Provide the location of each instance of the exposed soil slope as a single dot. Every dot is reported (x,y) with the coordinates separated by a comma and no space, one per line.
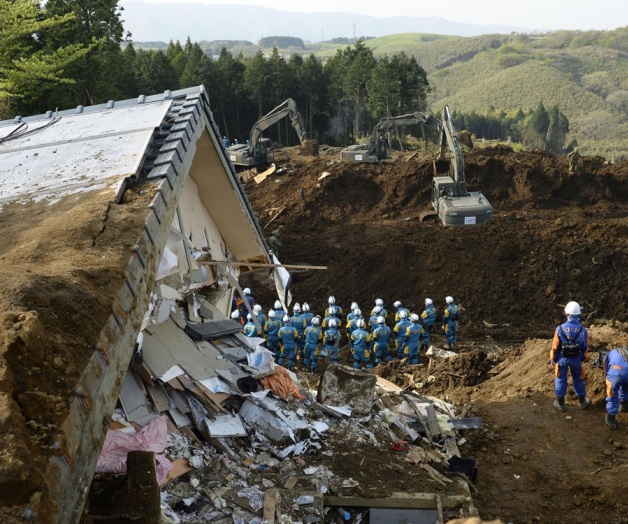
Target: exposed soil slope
(554,238)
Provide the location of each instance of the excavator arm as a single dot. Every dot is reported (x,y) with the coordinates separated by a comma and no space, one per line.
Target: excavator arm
(286,109)
(449,138)
(259,150)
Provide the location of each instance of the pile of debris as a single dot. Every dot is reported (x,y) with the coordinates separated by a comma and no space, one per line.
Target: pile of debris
(241,439)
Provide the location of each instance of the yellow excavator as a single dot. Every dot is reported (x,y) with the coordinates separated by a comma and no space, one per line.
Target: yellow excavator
(453,203)
(258,151)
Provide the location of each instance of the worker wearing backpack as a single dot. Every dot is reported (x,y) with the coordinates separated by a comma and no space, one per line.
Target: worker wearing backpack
(570,348)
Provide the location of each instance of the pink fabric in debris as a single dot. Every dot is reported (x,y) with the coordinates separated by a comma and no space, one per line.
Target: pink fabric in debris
(152,437)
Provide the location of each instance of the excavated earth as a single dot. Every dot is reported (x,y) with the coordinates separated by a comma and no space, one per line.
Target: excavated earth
(555,237)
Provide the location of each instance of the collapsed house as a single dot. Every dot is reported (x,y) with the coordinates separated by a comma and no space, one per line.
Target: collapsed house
(159,268)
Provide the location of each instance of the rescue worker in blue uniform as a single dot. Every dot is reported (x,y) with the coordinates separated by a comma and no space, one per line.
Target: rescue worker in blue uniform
(400,332)
(616,371)
(313,336)
(331,301)
(414,334)
(428,317)
(288,337)
(257,309)
(271,330)
(381,340)
(306,314)
(351,315)
(399,308)
(361,346)
(450,321)
(331,315)
(330,341)
(352,326)
(570,348)
(377,312)
(248,298)
(380,303)
(280,312)
(298,322)
(250,329)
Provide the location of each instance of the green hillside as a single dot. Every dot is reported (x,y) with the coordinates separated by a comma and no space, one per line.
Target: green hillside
(585,73)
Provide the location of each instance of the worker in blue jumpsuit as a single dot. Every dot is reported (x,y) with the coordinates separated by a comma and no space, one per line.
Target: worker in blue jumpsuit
(570,348)
(616,370)
(450,321)
(280,312)
(257,309)
(248,298)
(361,341)
(414,335)
(428,317)
(306,314)
(332,314)
(313,336)
(381,340)
(352,325)
(376,313)
(288,337)
(380,303)
(351,314)
(250,329)
(399,308)
(271,330)
(331,339)
(400,333)
(298,322)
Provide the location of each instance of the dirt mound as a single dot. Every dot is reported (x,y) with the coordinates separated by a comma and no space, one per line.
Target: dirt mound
(554,237)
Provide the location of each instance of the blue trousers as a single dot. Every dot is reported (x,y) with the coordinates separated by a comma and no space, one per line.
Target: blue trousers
(287,353)
(450,332)
(413,353)
(616,391)
(359,358)
(577,376)
(381,353)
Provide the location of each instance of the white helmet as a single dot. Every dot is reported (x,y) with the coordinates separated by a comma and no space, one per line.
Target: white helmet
(397,304)
(271,313)
(403,314)
(296,308)
(257,308)
(249,317)
(573,309)
(379,302)
(235,315)
(277,304)
(331,300)
(449,300)
(354,305)
(246,291)
(306,306)
(332,323)
(381,320)
(286,318)
(316,321)
(357,313)
(414,317)
(377,310)
(429,302)
(360,323)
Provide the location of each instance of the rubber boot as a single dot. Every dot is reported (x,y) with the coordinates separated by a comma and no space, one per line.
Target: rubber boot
(559,404)
(623,407)
(584,402)
(609,420)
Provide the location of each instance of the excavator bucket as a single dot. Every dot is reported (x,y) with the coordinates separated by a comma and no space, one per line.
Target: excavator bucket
(428,215)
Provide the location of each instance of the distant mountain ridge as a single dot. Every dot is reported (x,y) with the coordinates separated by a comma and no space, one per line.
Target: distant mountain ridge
(170,21)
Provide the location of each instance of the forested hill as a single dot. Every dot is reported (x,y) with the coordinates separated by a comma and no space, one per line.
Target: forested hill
(584,73)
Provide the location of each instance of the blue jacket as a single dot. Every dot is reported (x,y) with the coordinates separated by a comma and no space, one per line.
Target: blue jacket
(616,364)
(250,329)
(451,313)
(288,336)
(361,339)
(381,335)
(570,331)
(307,316)
(298,322)
(413,333)
(313,335)
(331,333)
(400,329)
(272,326)
(399,311)
(429,315)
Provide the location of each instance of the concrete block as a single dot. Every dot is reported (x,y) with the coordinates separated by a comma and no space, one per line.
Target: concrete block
(345,386)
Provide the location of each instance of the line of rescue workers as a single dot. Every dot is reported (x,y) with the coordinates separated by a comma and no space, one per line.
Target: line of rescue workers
(307,337)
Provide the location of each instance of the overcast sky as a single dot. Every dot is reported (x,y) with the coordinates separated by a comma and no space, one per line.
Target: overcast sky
(533,14)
